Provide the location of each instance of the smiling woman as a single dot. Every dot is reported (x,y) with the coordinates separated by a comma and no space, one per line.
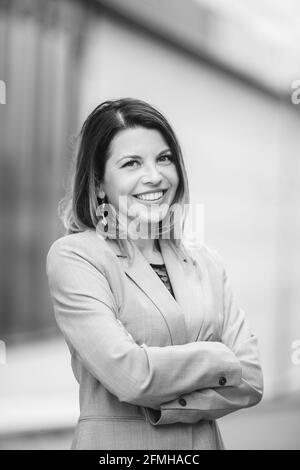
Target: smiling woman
(129,168)
(154,331)
(148,176)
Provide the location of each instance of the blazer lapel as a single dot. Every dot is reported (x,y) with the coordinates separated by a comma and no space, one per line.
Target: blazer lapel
(188,290)
(183,316)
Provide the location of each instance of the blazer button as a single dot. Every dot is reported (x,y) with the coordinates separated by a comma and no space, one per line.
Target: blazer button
(182,401)
(222,381)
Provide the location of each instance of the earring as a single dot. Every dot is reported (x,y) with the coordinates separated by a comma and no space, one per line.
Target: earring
(102,212)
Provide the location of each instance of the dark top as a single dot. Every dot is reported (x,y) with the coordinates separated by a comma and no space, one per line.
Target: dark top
(162,273)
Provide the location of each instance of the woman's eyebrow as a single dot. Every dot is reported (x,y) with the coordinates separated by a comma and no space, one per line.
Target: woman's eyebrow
(164,151)
(128,156)
(138,156)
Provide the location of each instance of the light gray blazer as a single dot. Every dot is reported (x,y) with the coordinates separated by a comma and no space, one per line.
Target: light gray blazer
(154,372)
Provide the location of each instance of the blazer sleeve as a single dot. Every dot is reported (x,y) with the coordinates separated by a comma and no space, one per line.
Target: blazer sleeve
(212,403)
(85,311)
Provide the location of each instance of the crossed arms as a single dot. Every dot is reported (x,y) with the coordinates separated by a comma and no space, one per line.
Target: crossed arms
(178,383)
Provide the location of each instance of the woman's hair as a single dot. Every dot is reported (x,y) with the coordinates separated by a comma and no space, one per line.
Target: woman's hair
(78,209)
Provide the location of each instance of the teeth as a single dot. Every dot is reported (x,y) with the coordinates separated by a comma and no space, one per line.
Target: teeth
(150,196)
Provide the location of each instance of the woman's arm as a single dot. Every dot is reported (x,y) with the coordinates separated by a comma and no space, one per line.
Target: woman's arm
(85,311)
(213,403)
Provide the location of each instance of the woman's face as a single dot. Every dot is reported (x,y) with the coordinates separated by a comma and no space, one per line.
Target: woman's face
(141,172)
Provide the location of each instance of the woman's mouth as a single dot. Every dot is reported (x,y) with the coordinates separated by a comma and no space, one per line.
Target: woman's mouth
(151,197)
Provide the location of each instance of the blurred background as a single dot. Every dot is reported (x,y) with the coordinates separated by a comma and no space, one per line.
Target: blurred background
(222,71)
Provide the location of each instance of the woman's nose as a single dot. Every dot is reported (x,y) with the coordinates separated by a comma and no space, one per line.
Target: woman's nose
(152,175)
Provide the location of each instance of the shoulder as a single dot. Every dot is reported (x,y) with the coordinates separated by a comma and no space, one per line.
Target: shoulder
(87,245)
(205,255)
(212,256)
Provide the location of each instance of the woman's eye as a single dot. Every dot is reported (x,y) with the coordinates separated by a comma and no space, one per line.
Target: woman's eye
(166,158)
(130,163)
(134,163)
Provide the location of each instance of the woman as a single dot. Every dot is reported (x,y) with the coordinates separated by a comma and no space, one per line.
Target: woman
(159,346)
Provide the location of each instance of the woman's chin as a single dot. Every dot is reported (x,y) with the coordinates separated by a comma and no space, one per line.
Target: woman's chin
(153,218)
(149,214)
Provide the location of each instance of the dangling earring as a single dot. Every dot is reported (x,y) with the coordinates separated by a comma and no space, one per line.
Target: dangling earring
(102,212)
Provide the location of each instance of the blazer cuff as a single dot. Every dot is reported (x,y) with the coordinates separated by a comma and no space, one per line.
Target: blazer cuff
(157,418)
(171,416)
(187,410)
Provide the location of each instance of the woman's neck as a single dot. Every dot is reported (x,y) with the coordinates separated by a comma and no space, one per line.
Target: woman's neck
(150,249)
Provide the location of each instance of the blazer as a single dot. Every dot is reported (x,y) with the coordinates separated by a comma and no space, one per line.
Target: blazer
(154,372)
